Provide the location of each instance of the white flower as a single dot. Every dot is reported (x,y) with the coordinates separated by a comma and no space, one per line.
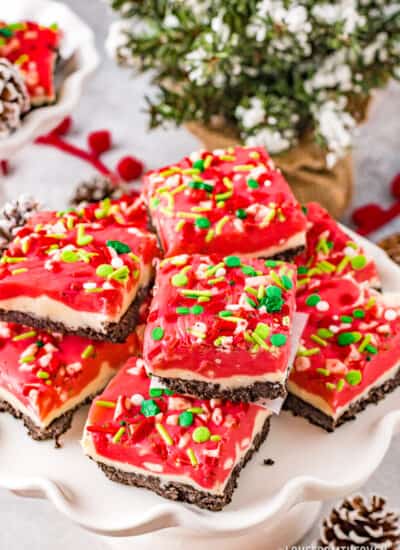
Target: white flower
(220,28)
(333,73)
(272,140)
(253,115)
(344,11)
(117,37)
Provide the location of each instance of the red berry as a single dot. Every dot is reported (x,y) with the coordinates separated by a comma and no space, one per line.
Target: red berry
(100,141)
(4,167)
(64,127)
(395,186)
(130,168)
(365,215)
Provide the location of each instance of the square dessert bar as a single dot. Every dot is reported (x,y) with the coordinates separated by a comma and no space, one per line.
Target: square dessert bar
(221,327)
(182,448)
(230,201)
(45,377)
(331,252)
(349,355)
(34,49)
(80,271)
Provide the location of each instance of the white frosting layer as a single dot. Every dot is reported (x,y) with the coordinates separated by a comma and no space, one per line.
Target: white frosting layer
(218,489)
(44,307)
(104,376)
(318,403)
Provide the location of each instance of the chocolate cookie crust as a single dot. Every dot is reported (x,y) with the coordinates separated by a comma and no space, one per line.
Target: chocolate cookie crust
(209,390)
(115,332)
(185,493)
(300,408)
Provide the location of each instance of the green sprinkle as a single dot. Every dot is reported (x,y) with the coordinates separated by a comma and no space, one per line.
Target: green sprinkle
(340,385)
(330,386)
(156,392)
(195,410)
(270,263)
(104,270)
(106,404)
(248,270)
(88,352)
(366,340)
(43,375)
(157,333)
(318,340)
(164,434)
(251,302)
(179,279)
(354,377)
(149,408)
(182,310)
(262,330)
(303,352)
(302,270)
(199,165)
(233,261)
(347,338)
(69,256)
(346,319)
(201,434)
(324,372)
(324,333)
(371,349)
(195,184)
(359,313)
(225,313)
(119,247)
(202,223)
(118,435)
(273,291)
(120,274)
(192,457)
(39,344)
(168,391)
(287,282)
(185,419)
(358,262)
(6,32)
(197,309)
(215,437)
(313,300)
(252,183)
(24,335)
(278,340)
(241,213)
(27,359)
(305,210)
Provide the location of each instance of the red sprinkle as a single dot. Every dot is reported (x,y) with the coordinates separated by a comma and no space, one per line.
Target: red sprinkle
(64,127)
(99,142)
(4,167)
(130,168)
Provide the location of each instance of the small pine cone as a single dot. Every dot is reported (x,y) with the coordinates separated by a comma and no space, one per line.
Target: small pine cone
(13,216)
(14,98)
(391,245)
(96,189)
(355,523)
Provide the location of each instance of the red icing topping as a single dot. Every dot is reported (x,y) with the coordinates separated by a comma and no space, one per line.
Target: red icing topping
(59,254)
(33,48)
(44,370)
(233,201)
(159,444)
(330,251)
(350,340)
(220,318)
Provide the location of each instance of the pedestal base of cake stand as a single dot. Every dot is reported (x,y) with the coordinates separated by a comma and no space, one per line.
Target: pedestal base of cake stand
(282,534)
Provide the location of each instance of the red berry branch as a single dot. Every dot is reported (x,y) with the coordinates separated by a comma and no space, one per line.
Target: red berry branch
(372,216)
(128,168)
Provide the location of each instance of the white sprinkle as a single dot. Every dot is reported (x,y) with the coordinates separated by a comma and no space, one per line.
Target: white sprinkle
(89,285)
(228,463)
(349,251)
(390,315)
(137,399)
(117,263)
(322,306)
(153,467)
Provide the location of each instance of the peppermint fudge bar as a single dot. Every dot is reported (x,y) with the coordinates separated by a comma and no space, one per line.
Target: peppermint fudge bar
(221,327)
(82,271)
(33,48)
(45,376)
(331,252)
(349,355)
(181,448)
(230,201)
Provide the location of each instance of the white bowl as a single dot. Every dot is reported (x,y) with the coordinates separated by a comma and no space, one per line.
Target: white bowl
(310,465)
(78,47)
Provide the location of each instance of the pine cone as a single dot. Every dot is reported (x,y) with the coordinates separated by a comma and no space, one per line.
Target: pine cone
(96,189)
(391,245)
(355,523)
(14,98)
(13,216)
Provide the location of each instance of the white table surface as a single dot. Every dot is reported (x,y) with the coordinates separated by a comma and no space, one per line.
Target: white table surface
(114,100)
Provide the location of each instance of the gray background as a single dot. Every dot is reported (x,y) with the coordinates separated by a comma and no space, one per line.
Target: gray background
(114,100)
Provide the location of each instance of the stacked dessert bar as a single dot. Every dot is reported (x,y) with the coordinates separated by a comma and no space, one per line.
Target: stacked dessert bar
(71,288)
(185,419)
